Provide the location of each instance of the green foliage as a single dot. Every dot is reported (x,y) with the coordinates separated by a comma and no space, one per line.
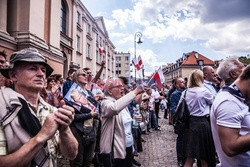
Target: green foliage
(245,59)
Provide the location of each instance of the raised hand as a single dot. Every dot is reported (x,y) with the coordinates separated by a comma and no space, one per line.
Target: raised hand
(64,116)
(94,113)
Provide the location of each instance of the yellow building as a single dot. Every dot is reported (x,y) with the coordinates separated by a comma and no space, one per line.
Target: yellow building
(122,64)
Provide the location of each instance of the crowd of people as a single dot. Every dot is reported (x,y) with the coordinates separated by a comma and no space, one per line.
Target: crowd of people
(102,122)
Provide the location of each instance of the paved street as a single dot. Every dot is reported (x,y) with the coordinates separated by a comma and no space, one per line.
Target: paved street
(159,148)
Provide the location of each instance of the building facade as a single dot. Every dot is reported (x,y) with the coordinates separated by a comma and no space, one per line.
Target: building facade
(62,30)
(122,64)
(185,65)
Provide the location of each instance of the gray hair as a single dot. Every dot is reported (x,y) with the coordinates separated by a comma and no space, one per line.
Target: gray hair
(229,65)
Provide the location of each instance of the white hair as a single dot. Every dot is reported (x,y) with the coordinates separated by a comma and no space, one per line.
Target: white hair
(227,66)
(110,83)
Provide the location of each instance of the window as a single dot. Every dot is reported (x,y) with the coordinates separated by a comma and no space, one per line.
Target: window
(100,41)
(108,64)
(127,58)
(118,72)
(88,51)
(100,57)
(97,57)
(63,16)
(79,18)
(88,28)
(112,66)
(78,43)
(118,65)
(97,38)
(118,59)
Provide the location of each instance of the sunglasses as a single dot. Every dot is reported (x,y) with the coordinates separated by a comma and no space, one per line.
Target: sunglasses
(2,61)
(83,74)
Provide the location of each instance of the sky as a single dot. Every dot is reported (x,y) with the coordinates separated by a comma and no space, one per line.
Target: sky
(215,28)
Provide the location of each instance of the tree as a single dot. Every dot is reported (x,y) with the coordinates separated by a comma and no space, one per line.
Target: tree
(245,59)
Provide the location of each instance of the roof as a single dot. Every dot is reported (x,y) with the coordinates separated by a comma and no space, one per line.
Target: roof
(193,57)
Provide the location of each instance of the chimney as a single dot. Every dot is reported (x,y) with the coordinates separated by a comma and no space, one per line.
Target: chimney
(196,55)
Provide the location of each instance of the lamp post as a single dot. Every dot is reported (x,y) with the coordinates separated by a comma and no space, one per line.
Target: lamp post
(138,35)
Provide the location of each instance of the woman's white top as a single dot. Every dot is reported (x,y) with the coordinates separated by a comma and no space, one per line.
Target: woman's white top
(199,101)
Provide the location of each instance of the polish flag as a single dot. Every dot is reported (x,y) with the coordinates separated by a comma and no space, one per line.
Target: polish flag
(101,49)
(136,64)
(139,61)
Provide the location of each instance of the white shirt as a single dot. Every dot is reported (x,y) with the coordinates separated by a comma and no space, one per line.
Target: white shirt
(209,86)
(199,100)
(228,111)
(127,123)
(155,95)
(151,103)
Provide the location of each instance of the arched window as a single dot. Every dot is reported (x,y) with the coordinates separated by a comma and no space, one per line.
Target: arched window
(63,16)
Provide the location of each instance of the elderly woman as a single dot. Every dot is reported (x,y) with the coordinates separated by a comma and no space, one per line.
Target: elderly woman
(83,125)
(116,135)
(198,140)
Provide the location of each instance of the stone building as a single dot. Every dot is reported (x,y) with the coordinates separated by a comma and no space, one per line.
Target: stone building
(62,30)
(122,64)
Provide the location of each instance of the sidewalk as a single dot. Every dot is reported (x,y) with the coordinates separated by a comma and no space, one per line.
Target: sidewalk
(159,149)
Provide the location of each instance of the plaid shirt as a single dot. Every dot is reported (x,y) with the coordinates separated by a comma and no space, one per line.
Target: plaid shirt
(43,110)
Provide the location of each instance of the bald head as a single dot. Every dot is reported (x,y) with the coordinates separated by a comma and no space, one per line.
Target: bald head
(180,83)
(209,74)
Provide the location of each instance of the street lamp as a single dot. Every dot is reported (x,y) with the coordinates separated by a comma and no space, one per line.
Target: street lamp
(138,35)
(200,63)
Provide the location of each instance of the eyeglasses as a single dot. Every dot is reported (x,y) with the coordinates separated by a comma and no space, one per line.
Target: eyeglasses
(118,86)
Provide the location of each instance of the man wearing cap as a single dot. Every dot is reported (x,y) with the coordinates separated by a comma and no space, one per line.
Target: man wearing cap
(31,131)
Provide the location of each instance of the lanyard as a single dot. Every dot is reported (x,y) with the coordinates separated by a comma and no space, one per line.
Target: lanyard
(235,91)
(239,93)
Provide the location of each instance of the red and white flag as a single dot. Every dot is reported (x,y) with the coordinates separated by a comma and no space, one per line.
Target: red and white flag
(157,78)
(101,49)
(137,63)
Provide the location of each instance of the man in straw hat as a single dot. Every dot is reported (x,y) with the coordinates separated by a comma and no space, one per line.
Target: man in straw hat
(32,131)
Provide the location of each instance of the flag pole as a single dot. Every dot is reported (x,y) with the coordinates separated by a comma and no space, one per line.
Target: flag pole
(151,78)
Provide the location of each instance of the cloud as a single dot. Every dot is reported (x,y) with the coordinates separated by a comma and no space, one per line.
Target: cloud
(110,24)
(225,10)
(122,17)
(149,59)
(207,21)
(221,26)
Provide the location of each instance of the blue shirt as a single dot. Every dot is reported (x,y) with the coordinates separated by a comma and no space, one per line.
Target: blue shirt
(174,100)
(66,86)
(127,123)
